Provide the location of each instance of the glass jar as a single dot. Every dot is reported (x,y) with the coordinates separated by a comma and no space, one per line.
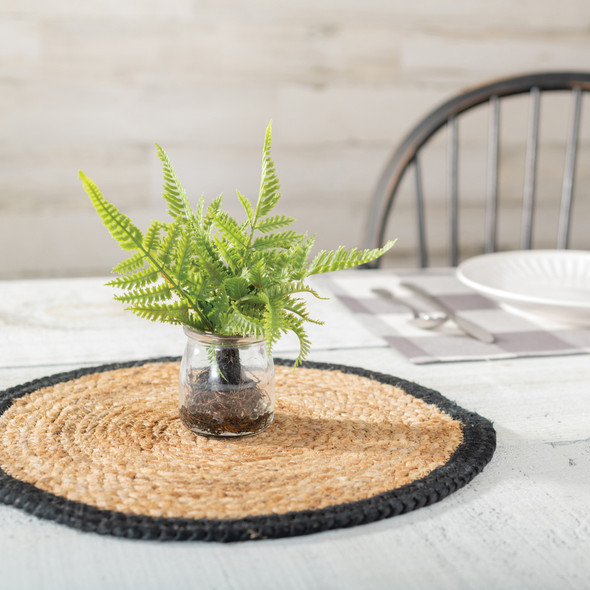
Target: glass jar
(227,385)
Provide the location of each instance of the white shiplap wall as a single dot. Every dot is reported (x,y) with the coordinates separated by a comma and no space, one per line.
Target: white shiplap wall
(93,85)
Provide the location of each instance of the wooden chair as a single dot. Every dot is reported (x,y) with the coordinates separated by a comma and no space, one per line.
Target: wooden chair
(446,118)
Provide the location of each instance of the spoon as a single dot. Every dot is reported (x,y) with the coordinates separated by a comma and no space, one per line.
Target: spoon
(421,319)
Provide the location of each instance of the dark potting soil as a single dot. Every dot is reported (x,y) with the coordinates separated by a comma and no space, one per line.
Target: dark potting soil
(214,406)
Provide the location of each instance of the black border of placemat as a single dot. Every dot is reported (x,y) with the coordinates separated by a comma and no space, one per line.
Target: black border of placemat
(472,455)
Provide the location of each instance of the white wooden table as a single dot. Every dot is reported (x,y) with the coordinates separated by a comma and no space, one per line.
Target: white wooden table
(524,522)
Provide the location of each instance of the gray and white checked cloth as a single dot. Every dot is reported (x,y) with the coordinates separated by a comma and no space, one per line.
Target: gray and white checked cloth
(515,335)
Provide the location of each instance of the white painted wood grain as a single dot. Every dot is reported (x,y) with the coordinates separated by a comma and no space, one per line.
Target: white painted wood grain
(93,85)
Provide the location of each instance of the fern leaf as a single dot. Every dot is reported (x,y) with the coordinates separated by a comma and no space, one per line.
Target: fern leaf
(274,223)
(208,258)
(285,290)
(298,307)
(161,292)
(131,264)
(341,259)
(183,256)
(140,278)
(151,240)
(197,287)
(199,210)
(255,273)
(299,256)
(295,325)
(218,311)
(277,265)
(252,306)
(120,226)
(245,324)
(174,194)
(273,320)
(247,207)
(211,215)
(178,313)
(236,287)
(227,254)
(282,240)
(192,319)
(231,230)
(269,185)
(168,245)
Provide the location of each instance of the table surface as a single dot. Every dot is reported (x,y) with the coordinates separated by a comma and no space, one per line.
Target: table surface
(524,522)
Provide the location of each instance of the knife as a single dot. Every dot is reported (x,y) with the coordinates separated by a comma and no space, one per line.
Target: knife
(468,327)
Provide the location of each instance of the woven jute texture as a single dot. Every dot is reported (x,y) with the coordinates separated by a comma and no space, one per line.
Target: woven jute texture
(108,447)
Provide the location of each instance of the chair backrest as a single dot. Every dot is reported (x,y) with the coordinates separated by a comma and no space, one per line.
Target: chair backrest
(445,117)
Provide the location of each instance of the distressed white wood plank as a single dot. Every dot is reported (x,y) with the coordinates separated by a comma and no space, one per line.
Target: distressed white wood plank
(76,321)
(93,85)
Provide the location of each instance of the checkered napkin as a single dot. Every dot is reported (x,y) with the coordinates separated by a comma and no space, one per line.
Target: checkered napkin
(515,335)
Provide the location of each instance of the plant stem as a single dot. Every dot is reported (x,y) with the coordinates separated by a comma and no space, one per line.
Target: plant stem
(176,287)
(229,365)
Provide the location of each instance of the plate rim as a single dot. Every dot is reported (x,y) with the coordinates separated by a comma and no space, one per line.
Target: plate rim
(514,297)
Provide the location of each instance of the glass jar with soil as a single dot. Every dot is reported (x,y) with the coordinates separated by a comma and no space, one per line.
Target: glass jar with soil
(227,385)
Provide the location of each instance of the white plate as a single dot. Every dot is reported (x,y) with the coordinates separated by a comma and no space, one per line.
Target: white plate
(551,283)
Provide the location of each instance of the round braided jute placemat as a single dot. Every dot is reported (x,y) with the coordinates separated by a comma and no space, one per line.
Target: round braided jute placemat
(103,450)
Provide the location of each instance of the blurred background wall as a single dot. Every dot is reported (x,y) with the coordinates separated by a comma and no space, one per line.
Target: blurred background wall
(92,85)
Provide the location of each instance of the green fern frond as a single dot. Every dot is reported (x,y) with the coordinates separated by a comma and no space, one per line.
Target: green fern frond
(218,312)
(273,320)
(151,240)
(228,254)
(255,273)
(270,186)
(122,229)
(299,308)
(175,313)
(299,256)
(198,287)
(245,324)
(231,230)
(252,305)
(342,259)
(174,194)
(199,210)
(273,264)
(236,287)
(211,214)
(141,278)
(286,289)
(131,264)
(182,261)
(283,240)
(168,244)
(295,325)
(274,223)
(208,259)
(139,297)
(247,206)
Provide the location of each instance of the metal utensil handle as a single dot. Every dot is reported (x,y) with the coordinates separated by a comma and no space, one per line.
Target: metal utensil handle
(385,294)
(467,326)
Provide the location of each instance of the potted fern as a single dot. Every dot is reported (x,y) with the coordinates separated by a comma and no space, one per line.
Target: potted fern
(235,286)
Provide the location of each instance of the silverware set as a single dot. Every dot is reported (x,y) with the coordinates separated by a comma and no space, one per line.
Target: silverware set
(434,319)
